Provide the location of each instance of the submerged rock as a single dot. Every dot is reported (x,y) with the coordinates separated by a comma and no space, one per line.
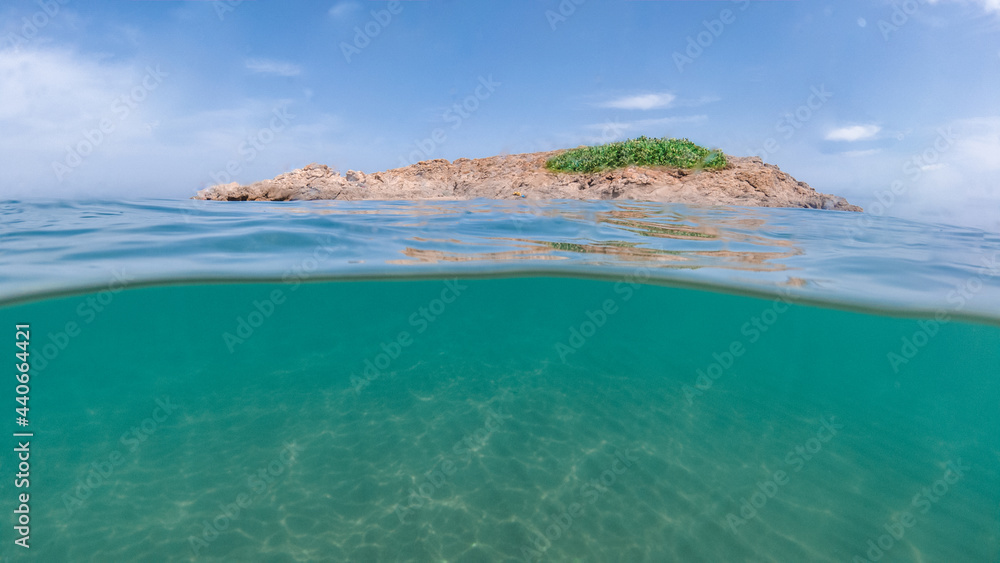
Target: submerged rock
(746,181)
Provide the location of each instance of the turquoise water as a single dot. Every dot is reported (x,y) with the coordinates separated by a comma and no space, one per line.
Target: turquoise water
(500,382)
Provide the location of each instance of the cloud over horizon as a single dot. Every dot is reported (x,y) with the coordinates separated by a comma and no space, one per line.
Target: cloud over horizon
(269,66)
(853,133)
(343,8)
(642,101)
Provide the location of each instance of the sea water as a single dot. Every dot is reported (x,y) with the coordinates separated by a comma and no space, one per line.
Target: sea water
(483,381)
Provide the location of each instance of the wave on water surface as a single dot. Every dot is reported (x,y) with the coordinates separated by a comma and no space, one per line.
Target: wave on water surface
(836,258)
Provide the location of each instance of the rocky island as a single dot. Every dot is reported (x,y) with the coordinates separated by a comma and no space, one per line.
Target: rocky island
(730,180)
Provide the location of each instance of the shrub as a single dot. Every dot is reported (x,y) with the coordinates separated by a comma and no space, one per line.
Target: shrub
(674,153)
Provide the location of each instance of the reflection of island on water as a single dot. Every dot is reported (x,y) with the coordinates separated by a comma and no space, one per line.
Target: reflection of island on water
(656,236)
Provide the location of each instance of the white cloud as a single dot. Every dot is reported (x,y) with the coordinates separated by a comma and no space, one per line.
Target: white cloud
(987,5)
(853,133)
(977,144)
(54,101)
(638,124)
(695,102)
(341,9)
(990,5)
(616,130)
(857,154)
(951,176)
(50,96)
(642,101)
(268,66)
(946,173)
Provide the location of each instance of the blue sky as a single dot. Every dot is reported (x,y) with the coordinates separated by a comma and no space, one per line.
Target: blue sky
(857,98)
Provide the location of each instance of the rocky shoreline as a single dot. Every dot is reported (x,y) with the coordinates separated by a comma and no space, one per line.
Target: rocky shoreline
(746,181)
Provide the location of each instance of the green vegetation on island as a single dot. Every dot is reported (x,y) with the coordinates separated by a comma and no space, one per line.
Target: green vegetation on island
(643,151)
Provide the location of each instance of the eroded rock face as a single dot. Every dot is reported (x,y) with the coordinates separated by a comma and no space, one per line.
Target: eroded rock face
(747,181)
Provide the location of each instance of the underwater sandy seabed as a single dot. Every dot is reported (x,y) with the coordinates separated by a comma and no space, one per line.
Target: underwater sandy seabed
(504,420)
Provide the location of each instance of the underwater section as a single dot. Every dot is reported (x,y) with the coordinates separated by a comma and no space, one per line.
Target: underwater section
(501,419)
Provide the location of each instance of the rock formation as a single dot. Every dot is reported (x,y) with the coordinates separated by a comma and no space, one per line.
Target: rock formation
(746,181)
